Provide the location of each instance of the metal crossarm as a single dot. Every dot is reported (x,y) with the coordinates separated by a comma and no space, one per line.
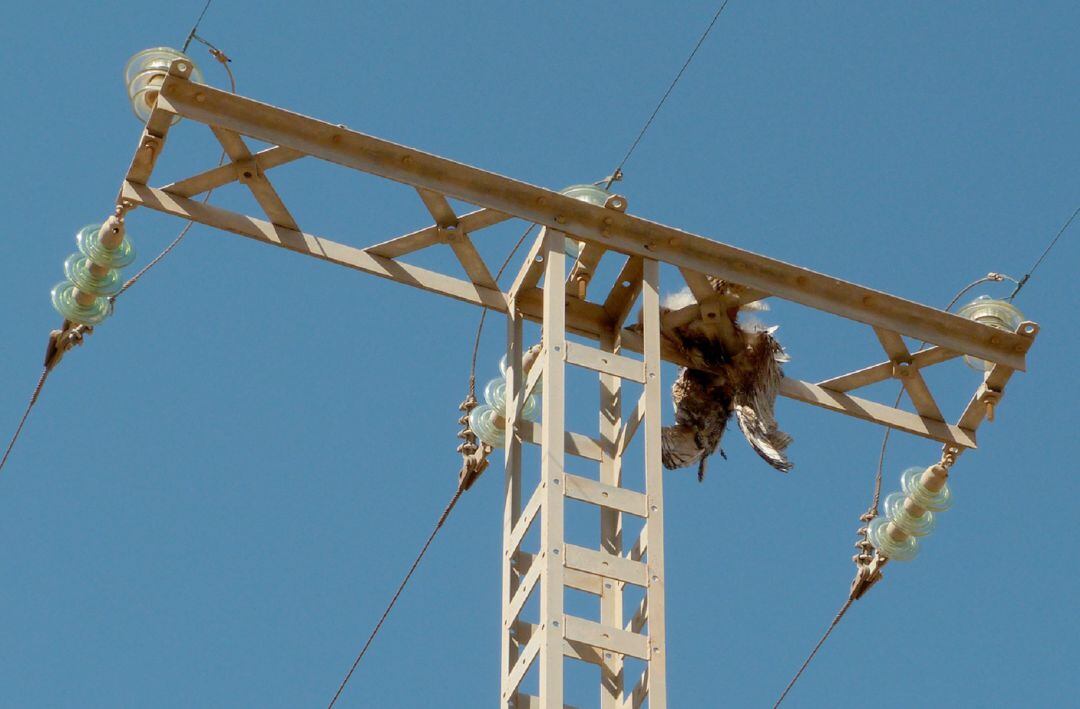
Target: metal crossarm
(605,233)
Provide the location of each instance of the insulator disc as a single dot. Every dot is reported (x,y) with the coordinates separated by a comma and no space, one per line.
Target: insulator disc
(482,422)
(145,73)
(938,501)
(539,382)
(530,411)
(495,394)
(915,526)
(77,269)
(897,551)
(63,299)
(1000,314)
(89,240)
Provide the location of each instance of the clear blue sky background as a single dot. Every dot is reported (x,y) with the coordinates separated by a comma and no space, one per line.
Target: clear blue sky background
(217,495)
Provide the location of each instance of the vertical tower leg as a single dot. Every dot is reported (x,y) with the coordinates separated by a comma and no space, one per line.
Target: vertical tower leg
(552,454)
(512,503)
(611,598)
(606,641)
(656,680)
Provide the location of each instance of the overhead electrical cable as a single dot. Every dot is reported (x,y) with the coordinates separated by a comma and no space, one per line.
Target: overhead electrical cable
(1053,242)
(397,594)
(195,27)
(617,173)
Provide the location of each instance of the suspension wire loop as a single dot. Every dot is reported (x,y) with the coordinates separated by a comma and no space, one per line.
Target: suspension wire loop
(484,312)
(1053,242)
(397,594)
(828,632)
(616,174)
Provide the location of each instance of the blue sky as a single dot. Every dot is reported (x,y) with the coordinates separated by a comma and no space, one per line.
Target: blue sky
(216,495)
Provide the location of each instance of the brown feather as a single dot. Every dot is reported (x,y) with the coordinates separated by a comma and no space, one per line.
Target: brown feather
(741,379)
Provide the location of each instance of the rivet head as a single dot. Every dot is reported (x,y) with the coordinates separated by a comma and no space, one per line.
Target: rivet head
(200,97)
(560,219)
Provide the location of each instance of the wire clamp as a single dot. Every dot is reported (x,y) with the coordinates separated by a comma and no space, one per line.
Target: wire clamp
(866,575)
(868,562)
(474,454)
(62,340)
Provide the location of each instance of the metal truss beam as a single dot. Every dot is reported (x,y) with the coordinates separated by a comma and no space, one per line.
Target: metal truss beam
(606,228)
(604,231)
(583,318)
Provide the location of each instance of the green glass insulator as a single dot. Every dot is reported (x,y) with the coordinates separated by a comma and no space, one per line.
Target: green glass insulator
(77,269)
(89,240)
(911,482)
(908,523)
(63,299)
(905,550)
(587,193)
(998,314)
(145,73)
(486,424)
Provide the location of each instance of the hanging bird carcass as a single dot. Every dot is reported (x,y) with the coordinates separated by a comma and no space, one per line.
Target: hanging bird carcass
(733,368)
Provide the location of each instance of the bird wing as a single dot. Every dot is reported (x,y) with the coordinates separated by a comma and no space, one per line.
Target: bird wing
(702,408)
(755,402)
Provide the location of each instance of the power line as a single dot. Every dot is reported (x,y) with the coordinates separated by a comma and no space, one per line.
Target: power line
(828,632)
(195,27)
(397,594)
(1053,242)
(453,501)
(617,173)
(26,414)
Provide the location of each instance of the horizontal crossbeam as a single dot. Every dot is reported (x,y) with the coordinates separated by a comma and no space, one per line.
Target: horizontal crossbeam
(605,227)
(582,318)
